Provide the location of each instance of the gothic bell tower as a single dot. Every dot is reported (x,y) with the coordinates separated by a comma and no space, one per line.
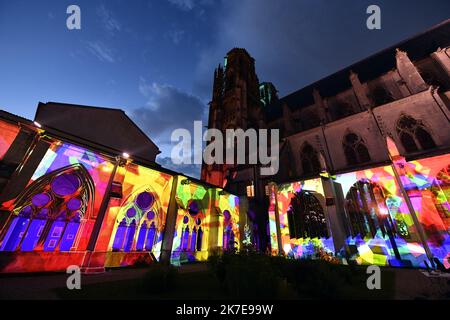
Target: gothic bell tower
(235,104)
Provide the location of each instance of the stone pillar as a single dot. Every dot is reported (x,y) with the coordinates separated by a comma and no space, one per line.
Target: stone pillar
(442,57)
(243,219)
(334,209)
(322,108)
(171,220)
(409,73)
(287,120)
(361,92)
(27,155)
(215,223)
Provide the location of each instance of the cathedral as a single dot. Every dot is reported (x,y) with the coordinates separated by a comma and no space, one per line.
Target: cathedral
(364,155)
(364,174)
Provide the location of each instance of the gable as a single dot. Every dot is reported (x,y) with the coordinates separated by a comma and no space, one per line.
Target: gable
(110,128)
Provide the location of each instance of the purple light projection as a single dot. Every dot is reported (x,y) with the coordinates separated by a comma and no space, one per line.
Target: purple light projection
(144,200)
(65,184)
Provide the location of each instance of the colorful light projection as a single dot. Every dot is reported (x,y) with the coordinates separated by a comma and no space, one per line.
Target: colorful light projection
(378,221)
(375,213)
(57,209)
(48,214)
(228,206)
(302,216)
(8,133)
(273,232)
(427,183)
(137,222)
(191,237)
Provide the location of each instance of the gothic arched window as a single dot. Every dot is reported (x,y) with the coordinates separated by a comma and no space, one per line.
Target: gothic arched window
(355,149)
(228,232)
(137,222)
(310,160)
(367,205)
(48,213)
(191,228)
(413,135)
(306,217)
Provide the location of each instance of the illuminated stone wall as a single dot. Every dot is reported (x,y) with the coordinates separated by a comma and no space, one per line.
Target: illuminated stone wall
(94,210)
(378,221)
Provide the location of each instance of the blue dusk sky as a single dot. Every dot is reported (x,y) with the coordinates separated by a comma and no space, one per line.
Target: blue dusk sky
(155,58)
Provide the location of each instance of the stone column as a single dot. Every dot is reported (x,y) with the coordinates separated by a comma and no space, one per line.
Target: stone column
(322,109)
(361,92)
(27,151)
(334,209)
(442,57)
(409,73)
(287,119)
(171,219)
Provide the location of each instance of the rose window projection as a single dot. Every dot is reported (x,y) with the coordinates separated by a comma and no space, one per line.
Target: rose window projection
(137,223)
(48,214)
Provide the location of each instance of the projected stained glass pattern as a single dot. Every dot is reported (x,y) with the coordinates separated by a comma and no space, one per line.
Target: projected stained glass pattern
(302,215)
(228,205)
(56,210)
(137,220)
(192,227)
(427,184)
(378,221)
(273,232)
(375,215)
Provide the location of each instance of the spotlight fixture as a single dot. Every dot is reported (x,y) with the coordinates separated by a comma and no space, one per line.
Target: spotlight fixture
(37,124)
(125,155)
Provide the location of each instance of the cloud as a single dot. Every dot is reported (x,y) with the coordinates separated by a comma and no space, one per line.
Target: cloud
(109,23)
(280,35)
(188,5)
(101,51)
(296,43)
(175,36)
(167,108)
(192,170)
(185,5)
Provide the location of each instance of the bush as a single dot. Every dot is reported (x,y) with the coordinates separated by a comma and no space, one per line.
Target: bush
(246,275)
(159,278)
(253,275)
(316,279)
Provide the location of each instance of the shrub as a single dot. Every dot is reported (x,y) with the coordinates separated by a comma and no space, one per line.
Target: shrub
(246,275)
(251,276)
(159,278)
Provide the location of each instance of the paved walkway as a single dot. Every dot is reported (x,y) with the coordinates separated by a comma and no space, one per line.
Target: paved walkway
(418,284)
(42,286)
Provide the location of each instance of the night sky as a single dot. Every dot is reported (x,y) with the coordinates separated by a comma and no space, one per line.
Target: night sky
(155,58)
